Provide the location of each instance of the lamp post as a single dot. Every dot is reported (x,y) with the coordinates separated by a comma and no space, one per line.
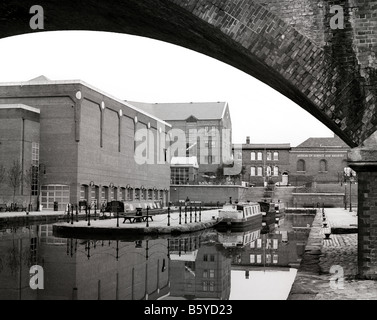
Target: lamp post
(350,175)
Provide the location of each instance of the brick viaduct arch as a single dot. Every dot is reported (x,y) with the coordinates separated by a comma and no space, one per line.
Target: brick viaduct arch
(287,44)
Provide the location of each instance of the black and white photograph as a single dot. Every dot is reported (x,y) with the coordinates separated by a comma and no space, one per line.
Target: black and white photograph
(188,154)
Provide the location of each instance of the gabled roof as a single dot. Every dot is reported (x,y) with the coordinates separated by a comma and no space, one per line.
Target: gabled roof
(183,111)
(332,142)
(267,146)
(40,78)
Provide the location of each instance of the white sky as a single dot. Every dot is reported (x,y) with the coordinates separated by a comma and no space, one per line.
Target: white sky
(261,285)
(141,69)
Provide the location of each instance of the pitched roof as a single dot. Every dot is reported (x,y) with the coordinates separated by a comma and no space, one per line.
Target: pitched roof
(333,142)
(182,111)
(40,78)
(262,146)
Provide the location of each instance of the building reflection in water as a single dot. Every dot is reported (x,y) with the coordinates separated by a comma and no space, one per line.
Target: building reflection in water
(199,269)
(194,266)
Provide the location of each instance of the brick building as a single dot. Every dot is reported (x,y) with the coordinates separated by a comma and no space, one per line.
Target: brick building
(84,144)
(319,160)
(264,162)
(207,128)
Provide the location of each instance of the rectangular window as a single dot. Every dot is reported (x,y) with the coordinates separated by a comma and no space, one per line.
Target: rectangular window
(252,258)
(268,258)
(275,258)
(211,273)
(259,243)
(35,153)
(205,273)
(212,257)
(275,243)
(259,258)
(209,159)
(205,257)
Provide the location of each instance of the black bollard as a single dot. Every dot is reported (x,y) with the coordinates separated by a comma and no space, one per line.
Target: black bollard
(180,214)
(95,211)
(117,209)
(147,216)
(168,216)
(190,214)
(195,214)
(77,213)
(185,214)
(71,214)
(88,215)
(200,212)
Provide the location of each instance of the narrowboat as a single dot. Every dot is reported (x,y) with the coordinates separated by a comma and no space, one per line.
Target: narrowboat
(240,215)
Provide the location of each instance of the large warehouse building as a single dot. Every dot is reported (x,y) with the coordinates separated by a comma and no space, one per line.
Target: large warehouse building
(79,143)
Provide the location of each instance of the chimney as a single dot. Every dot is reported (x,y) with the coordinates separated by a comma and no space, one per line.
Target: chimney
(247,140)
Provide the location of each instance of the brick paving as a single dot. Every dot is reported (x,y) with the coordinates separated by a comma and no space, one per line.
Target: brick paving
(332,273)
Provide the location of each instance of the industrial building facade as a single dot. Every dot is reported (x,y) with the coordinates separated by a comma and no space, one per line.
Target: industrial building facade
(206,128)
(84,144)
(320,160)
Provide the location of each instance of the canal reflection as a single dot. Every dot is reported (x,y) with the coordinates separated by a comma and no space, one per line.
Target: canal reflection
(203,265)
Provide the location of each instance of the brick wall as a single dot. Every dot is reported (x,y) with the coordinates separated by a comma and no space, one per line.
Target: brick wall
(207,194)
(367,225)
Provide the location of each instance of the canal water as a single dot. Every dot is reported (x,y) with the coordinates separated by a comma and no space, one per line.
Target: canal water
(252,264)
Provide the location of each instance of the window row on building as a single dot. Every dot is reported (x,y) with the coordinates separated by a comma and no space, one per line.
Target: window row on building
(258,156)
(270,171)
(302,165)
(104,194)
(270,258)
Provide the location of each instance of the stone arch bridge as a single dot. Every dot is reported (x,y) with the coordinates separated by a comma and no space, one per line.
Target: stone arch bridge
(322,59)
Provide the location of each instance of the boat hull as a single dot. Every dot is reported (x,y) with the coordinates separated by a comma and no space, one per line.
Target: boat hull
(239,224)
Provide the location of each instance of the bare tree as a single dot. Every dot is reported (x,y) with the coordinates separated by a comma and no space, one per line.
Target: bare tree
(2,173)
(15,177)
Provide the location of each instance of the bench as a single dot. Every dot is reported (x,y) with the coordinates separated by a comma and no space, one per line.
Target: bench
(133,219)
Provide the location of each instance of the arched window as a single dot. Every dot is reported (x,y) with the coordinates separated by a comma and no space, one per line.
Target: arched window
(323,165)
(259,171)
(252,171)
(276,156)
(276,170)
(252,156)
(268,155)
(259,156)
(268,171)
(301,165)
